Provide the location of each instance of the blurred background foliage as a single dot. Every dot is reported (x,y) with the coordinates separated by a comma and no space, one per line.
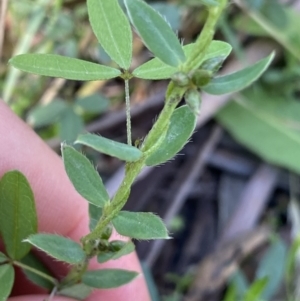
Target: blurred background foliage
(263,121)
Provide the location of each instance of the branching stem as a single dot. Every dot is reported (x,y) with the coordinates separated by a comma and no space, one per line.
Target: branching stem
(174,95)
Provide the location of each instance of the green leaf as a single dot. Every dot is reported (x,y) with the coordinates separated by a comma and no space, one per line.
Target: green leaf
(230,294)
(95,103)
(84,177)
(140,225)
(272,267)
(42,115)
(112,148)
(7,277)
(170,11)
(266,124)
(61,66)
(240,283)
(182,125)
(32,261)
(58,247)
(128,248)
(155,32)
(18,217)
(108,278)
(156,69)
(260,25)
(239,80)
(209,3)
(3,258)
(78,291)
(255,290)
(95,213)
(291,261)
(70,125)
(112,30)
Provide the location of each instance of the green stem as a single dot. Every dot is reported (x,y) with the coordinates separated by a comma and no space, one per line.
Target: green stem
(173,97)
(205,38)
(37,272)
(75,274)
(128,117)
(153,140)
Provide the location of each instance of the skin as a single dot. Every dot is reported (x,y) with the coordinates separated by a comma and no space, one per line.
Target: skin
(60,208)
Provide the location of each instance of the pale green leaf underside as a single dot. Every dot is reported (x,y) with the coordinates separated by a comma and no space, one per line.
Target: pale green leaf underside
(239,80)
(84,177)
(18,217)
(70,125)
(78,291)
(58,247)
(112,148)
(274,138)
(7,277)
(108,278)
(140,225)
(93,103)
(43,115)
(112,30)
(156,69)
(155,32)
(182,125)
(62,66)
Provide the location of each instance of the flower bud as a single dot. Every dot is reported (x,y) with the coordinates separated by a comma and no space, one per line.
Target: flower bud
(201,77)
(213,64)
(180,79)
(116,245)
(107,232)
(193,100)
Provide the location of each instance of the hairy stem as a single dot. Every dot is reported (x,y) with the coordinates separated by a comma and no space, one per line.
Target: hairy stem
(173,97)
(205,38)
(128,117)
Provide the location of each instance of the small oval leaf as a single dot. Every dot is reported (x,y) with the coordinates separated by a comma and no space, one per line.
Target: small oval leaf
(182,125)
(109,147)
(108,278)
(155,32)
(156,69)
(140,225)
(42,115)
(239,80)
(7,277)
(84,177)
(62,66)
(58,247)
(95,103)
(112,30)
(18,217)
